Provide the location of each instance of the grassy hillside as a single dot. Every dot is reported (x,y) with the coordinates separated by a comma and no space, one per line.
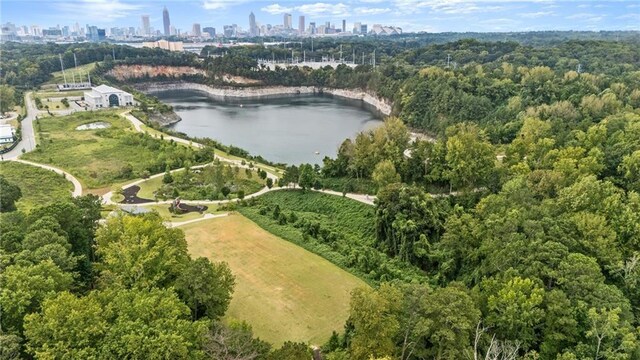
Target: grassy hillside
(104,156)
(282,290)
(337,228)
(39,186)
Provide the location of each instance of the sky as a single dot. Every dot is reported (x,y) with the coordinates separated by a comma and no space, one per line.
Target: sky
(411,15)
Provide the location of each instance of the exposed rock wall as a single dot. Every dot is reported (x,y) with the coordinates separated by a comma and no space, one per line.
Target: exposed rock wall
(381,105)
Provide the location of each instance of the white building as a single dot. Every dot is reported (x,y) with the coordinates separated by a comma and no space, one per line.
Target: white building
(6,134)
(105,96)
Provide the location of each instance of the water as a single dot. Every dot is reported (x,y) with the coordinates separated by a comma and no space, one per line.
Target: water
(289,129)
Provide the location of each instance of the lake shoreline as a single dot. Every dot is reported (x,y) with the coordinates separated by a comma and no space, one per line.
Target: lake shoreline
(381,106)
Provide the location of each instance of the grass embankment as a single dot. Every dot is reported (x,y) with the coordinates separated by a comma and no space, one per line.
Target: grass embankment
(104,157)
(204,183)
(80,74)
(282,290)
(39,187)
(337,228)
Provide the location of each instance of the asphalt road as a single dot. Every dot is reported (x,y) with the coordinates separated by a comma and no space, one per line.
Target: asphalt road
(28,142)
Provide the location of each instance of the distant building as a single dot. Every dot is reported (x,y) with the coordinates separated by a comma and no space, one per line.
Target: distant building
(287,21)
(196,30)
(104,96)
(166,45)
(166,22)
(344,25)
(378,29)
(229,31)
(51,33)
(6,134)
(253,27)
(312,28)
(210,30)
(146,25)
(301,24)
(363,29)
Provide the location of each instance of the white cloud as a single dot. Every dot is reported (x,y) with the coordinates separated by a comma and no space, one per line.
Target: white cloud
(101,10)
(371,11)
(220,4)
(324,9)
(585,17)
(372,1)
(275,9)
(450,6)
(533,15)
(632,16)
(314,9)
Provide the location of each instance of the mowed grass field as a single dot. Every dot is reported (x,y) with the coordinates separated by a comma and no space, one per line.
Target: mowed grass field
(282,290)
(40,187)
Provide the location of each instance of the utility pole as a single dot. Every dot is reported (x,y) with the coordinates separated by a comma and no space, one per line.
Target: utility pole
(340,53)
(363,58)
(353,56)
(292,55)
(62,67)
(311,44)
(448,60)
(374,58)
(304,56)
(579,68)
(113,53)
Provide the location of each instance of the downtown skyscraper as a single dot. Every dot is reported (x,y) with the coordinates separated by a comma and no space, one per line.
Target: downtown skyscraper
(253,27)
(166,22)
(146,25)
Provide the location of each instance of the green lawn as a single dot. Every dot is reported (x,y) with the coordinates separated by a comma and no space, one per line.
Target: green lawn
(39,186)
(44,94)
(149,187)
(101,157)
(282,290)
(80,73)
(163,210)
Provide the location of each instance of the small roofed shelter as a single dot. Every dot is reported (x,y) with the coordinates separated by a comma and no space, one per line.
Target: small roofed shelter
(105,96)
(6,134)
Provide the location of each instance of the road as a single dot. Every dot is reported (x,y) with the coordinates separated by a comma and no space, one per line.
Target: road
(28,142)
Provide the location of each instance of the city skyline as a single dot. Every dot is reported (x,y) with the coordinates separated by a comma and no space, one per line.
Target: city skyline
(439,15)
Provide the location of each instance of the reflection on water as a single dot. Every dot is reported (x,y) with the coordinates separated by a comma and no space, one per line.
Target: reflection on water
(290,129)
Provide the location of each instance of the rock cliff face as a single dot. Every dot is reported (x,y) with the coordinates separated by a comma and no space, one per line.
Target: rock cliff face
(381,105)
(164,119)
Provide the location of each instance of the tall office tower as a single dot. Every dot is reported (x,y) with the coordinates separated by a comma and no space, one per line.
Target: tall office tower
(301,24)
(363,29)
(166,22)
(253,27)
(287,21)
(356,28)
(344,25)
(196,30)
(312,27)
(211,31)
(146,26)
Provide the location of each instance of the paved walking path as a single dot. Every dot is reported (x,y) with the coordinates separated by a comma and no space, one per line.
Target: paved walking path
(77,187)
(205,217)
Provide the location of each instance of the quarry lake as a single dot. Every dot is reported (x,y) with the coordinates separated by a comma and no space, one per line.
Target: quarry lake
(293,130)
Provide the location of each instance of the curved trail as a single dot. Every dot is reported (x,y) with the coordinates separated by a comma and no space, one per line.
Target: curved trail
(137,125)
(77,187)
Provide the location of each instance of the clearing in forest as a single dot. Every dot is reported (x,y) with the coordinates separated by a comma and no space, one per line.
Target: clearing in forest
(282,290)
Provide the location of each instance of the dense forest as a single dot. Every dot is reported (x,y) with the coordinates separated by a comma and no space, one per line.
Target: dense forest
(513,234)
